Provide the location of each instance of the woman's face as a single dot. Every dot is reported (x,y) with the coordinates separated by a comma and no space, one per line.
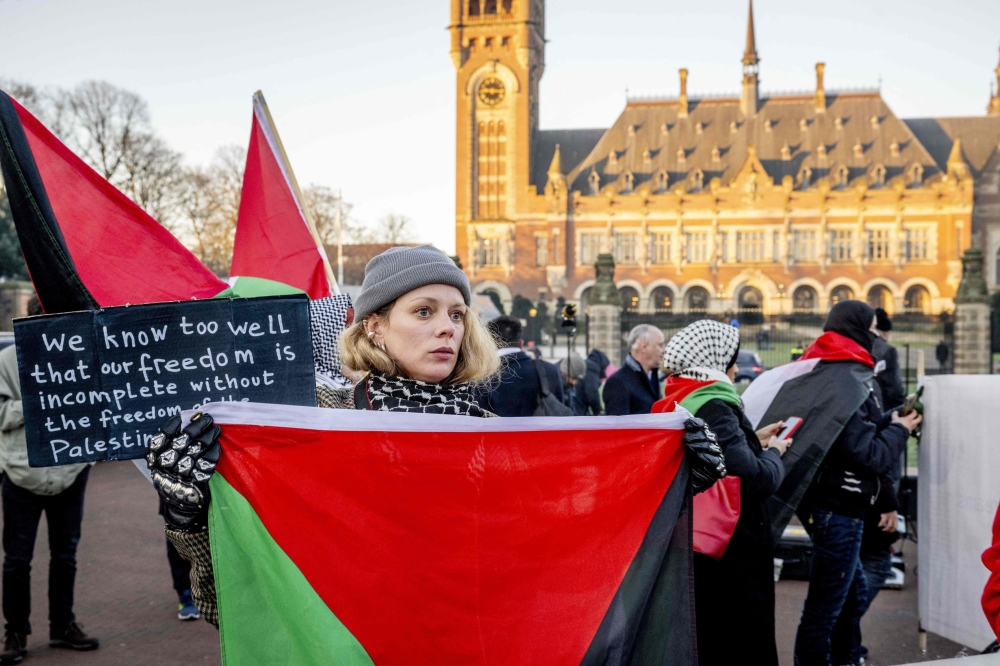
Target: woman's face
(423,331)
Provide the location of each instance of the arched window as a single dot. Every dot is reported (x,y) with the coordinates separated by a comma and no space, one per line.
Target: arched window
(697,299)
(841,293)
(630,298)
(506,5)
(917,300)
(489,6)
(804,300)
(880,297)
(750,299)
(662,299)
(474,7)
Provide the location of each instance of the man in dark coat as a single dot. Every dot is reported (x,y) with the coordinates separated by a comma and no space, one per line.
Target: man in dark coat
(586,399)
(887,363)
(517,392)
(636,385)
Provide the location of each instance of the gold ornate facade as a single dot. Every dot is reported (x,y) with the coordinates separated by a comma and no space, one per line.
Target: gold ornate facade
(786,202)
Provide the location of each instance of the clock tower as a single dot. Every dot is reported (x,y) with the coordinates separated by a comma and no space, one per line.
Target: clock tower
(498,48)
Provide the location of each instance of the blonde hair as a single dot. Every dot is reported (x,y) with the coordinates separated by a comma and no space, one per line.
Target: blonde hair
(477,362)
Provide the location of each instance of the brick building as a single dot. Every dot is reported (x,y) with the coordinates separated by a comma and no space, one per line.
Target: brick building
(786,202)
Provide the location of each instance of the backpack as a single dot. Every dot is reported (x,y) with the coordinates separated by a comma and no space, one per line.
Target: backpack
(548,404)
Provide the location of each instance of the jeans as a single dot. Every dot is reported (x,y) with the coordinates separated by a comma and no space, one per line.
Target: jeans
(22,510)
(180,569)
(837,593)
(877,565)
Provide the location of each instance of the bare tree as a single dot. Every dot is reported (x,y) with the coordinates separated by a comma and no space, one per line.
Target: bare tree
(106,122)
(322,203)
(210,203)
(25,94)
(151,175)
(392,229)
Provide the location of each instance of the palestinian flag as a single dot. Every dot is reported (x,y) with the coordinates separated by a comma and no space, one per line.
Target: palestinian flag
(276,241)
(87,245)
(824,388)
(359,537)
(717,510)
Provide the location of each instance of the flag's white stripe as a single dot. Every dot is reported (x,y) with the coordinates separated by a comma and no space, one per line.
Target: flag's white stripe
(314,418)
(760,394)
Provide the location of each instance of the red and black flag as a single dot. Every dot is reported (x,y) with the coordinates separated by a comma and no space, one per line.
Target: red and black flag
(359,537)
(824,388)
(85,244)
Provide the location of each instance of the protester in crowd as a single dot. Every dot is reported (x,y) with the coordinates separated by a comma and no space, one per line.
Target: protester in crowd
(941,353)
(588,394)
(835,503)
(422,349)
(735,591)
(518,391)
(573,370)
(27,492)
(180,572)
(887,375)
(636,385)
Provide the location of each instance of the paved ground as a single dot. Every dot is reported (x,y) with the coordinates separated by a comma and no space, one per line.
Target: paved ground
(124,594)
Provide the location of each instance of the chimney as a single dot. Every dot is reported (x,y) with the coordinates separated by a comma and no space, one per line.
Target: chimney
(750,99)
(820,92)
(682,102)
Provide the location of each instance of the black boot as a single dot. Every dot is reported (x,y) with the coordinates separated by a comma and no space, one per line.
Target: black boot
(73,638)
(15,647)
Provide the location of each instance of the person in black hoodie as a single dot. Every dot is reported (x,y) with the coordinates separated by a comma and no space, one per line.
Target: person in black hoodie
(834,507)
(586,399)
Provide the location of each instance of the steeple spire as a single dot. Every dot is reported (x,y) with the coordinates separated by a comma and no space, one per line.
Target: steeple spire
(750,58)
(750,99)
(993,108)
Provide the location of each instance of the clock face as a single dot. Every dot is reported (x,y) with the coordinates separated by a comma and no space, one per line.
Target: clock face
(491,91)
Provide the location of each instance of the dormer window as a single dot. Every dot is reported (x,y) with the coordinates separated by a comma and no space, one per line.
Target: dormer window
(821,151)
(842,175)
(875,123)
(697,180)
(859,150)
(628,182)
(664,130)
(699,128)
(916,175)
(681,155)
(594,180)
(647,158)
(879,175)
(733,127)
(894,149)
(839,123)
(805,178)
(803,125)
(716,155)
(786,152)
(612,160)
(662,180)
(631,131)
(767,125)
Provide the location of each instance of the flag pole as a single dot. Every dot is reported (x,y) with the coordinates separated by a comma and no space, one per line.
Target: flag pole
(258,98)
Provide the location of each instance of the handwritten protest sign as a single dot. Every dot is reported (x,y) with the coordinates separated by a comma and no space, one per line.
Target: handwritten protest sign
(96,385)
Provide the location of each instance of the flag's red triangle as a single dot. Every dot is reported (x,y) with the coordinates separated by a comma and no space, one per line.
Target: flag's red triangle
(470,548)
(273,236)
(121,254)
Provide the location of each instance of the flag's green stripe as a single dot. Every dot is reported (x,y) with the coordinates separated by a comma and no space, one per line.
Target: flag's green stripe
(268,611)
(723,391)
(252,287)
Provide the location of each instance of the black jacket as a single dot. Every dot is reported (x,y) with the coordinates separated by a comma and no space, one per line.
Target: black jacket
(867,448)
(629,391)
(737,591)
(586,399)
(516,394)
(888,379)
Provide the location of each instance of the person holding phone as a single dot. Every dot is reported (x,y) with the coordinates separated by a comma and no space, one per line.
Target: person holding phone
(736,590)
(833,508)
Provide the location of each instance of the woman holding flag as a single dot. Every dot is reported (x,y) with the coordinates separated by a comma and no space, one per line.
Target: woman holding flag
(734,551)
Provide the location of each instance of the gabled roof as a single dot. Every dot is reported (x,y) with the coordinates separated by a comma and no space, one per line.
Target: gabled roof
(649,139)
(980,138)
(574,145)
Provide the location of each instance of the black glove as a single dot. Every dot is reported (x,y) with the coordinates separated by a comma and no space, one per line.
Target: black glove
(705,455)
(181,464)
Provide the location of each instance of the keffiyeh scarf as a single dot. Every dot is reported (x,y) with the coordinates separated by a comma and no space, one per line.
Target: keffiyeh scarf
(328,319)
(399,394)
(703,351)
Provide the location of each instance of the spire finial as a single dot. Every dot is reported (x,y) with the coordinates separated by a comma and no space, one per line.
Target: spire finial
(750,58)
(555,168)
(957,166)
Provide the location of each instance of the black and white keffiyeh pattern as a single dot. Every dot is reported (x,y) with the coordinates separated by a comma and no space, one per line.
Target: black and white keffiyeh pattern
(328,319)
(399,394)
(703,350)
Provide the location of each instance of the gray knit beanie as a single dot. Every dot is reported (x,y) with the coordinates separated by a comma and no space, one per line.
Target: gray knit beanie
(399,270)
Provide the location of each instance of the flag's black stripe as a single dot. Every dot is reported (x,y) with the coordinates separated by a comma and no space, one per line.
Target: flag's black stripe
(651,618)
(49,263)
(825,399)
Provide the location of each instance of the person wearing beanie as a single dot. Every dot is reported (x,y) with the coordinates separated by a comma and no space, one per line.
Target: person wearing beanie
(572,370)
(887,375)
(421,348)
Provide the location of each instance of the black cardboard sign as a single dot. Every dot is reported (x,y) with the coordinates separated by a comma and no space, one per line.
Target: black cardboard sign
(96,385)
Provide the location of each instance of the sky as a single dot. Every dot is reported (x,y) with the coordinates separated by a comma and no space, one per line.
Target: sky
(363,92)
